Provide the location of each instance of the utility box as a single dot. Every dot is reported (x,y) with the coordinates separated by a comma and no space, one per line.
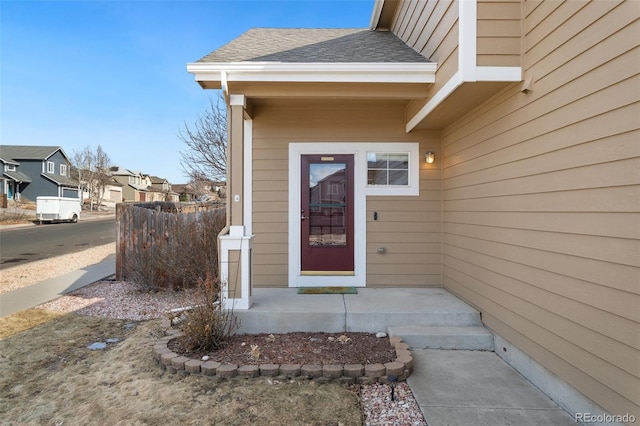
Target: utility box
(57,209)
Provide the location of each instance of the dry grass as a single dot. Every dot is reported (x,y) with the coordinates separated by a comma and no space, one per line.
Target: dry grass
(50,377)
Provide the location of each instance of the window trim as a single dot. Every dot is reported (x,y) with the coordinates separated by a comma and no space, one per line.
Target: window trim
(63,169)
(413,186)
(51,167)
(9,167)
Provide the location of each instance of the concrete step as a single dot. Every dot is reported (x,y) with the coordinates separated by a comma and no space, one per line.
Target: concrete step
(473,338)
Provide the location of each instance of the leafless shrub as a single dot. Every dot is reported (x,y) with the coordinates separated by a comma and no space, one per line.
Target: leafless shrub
(184,255)
(208,326)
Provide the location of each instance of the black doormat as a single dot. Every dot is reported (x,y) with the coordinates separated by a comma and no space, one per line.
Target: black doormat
(327,290)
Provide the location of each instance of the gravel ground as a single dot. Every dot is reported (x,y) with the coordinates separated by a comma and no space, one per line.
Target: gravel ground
(121,300)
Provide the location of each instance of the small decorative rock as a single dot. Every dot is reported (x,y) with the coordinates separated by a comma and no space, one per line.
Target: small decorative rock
(97,346)
(205,358)
(381,334)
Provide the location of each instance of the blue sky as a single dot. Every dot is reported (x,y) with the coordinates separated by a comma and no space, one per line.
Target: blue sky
(83,73)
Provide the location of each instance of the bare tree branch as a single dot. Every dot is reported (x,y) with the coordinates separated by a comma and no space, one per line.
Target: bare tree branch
(93,172)
(206,143)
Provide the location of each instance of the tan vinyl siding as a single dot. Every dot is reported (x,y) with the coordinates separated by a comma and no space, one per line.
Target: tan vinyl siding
(541,196)
(431,29)
(499,33)
(408,226)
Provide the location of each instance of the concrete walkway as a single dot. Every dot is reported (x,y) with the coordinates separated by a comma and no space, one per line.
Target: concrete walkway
(478,388)
(452,387)
(44,291)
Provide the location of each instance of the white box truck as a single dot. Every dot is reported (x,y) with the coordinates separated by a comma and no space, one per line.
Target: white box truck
(57,209)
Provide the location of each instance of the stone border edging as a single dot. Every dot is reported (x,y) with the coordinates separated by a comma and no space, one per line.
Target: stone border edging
(347,373)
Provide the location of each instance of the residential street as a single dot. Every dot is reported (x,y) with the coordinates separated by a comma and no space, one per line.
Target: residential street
(22,245)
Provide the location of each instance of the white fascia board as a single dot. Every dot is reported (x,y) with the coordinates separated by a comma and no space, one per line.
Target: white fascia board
(316,72)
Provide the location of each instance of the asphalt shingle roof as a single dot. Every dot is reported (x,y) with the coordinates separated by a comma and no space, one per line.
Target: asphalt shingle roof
(25,152)
(303,45)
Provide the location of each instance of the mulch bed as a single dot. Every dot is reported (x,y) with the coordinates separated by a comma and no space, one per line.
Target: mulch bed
(297,348)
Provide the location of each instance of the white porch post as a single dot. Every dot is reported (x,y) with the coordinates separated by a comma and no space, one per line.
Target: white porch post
(236,256)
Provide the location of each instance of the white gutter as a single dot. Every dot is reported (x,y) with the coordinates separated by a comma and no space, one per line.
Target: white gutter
(419,72)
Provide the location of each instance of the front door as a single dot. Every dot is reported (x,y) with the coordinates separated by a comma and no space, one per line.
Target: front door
(326,215)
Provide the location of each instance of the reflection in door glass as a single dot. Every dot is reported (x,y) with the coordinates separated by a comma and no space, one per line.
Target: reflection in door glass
(327,204)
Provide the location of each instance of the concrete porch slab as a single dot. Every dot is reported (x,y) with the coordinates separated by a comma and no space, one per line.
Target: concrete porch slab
(282,310)
(376,309)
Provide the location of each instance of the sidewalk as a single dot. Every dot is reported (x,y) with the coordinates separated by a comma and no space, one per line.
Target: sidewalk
(44,291)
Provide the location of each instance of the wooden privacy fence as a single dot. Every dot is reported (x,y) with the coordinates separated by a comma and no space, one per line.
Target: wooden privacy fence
(164,244)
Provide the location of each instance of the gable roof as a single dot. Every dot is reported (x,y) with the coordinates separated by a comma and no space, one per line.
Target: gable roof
(315,45)
(25,152)
(313,55)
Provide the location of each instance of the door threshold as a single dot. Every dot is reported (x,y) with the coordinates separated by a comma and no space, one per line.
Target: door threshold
(328,273)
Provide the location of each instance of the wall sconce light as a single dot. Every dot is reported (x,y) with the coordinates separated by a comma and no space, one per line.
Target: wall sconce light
(429,157)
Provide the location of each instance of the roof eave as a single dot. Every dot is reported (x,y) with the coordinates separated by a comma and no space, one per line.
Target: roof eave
(378,72)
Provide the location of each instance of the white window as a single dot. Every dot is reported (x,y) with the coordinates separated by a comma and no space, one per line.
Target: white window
(388,168)
(63,169)
(10,167)
(51,168)
(392,170)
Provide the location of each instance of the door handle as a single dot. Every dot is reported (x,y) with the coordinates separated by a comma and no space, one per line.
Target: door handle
(303,217)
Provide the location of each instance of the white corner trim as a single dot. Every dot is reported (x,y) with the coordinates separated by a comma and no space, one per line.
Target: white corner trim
(419,72)
(467,36)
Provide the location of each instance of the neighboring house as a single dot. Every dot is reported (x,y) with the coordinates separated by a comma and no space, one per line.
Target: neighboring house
(32,171)
(199,190)
(162,189)
(184,191)
(111,195)
(529,209)
(134,184)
